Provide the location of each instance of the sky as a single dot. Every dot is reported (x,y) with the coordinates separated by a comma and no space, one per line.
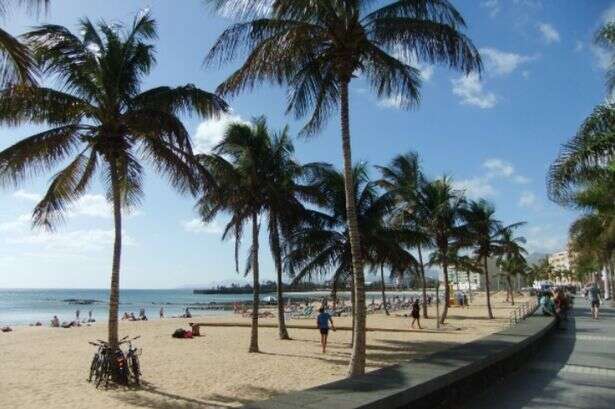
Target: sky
(495,136)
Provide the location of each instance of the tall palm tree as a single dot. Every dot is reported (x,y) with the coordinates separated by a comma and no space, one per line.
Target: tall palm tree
(484,234)
(17,64)
(403,178)
(102,122)
(317,48)
(511,258)
(438,205)
(323,245)
(236,166)
(285,189)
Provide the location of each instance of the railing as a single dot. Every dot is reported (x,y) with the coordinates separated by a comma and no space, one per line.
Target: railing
(522,311)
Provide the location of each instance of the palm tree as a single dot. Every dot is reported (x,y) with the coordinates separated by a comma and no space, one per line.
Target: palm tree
(17,64)
(438,205)
(511,258)
(605,37)
(484,234)
(102,122)
(318,47)
(236,166)
(284,195)
(322,244)
(403,178)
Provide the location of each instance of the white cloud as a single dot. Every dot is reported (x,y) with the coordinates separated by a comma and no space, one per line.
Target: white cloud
(501,62)
(210,132)
(602,56)
(475,188)
(92,205)
(78,241)
(544,239)
(471,91)
(500,168)
(493,6)
(28,196)
(549,33)
(528,199)
(197,226)
(19,232)
(609,14)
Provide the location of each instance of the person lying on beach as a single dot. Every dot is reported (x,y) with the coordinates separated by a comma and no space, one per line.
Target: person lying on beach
(322,323)
(6,329)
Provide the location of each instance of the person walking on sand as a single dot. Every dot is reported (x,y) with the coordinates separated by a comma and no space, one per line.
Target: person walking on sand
(322,323)
(90,316)
(593,296)
(161,312)
(416,314)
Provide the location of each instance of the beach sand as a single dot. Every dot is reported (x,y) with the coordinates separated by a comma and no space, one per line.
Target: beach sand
(44,367)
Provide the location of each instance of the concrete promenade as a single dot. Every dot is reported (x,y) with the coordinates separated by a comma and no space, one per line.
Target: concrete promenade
(574,368)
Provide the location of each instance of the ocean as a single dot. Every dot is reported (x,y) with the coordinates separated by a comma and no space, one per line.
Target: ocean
(27,306)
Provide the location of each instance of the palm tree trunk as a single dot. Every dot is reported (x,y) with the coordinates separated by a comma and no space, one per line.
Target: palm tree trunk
(510,289)
(114,293)
(352,303)
(384,298)
(357,358)
(487,288)
(469,286)
(277,257)
(256,285)
(447,295)
(423,283)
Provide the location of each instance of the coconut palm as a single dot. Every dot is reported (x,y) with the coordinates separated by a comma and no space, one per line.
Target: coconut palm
(403,178)
(317,48)
(101,122)
(438,206)
(511,258)
(322,245)
(484,235)
(17,64)
(284,195)
(236,166)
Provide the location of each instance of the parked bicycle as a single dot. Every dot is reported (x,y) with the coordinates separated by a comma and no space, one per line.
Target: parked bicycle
(114,365)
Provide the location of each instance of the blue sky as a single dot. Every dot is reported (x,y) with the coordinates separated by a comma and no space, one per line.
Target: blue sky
(496,136)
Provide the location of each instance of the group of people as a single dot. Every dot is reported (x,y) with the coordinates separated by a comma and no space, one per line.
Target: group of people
(555,302)
(131,316)
(55,321)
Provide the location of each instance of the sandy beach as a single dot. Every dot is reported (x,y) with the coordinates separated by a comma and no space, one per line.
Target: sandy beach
(46,367)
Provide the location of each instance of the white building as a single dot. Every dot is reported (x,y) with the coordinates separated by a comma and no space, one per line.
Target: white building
(560,260)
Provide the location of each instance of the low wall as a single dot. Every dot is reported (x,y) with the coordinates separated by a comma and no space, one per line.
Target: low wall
(430,382)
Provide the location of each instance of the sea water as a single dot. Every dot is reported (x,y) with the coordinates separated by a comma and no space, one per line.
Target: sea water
(27,306)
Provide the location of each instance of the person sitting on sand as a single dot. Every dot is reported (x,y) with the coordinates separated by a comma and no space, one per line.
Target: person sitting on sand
(55,322)
(132,317)
(322,323)
(416,314)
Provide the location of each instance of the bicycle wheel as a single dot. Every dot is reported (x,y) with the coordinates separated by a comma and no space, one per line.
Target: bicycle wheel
(103,371)
(93,366)
(135,368)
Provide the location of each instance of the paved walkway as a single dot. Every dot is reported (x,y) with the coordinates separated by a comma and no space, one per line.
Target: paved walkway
(574,369)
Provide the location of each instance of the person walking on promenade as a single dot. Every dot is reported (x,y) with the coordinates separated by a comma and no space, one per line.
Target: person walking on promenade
(416,314)
(322,323)
(593,296)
